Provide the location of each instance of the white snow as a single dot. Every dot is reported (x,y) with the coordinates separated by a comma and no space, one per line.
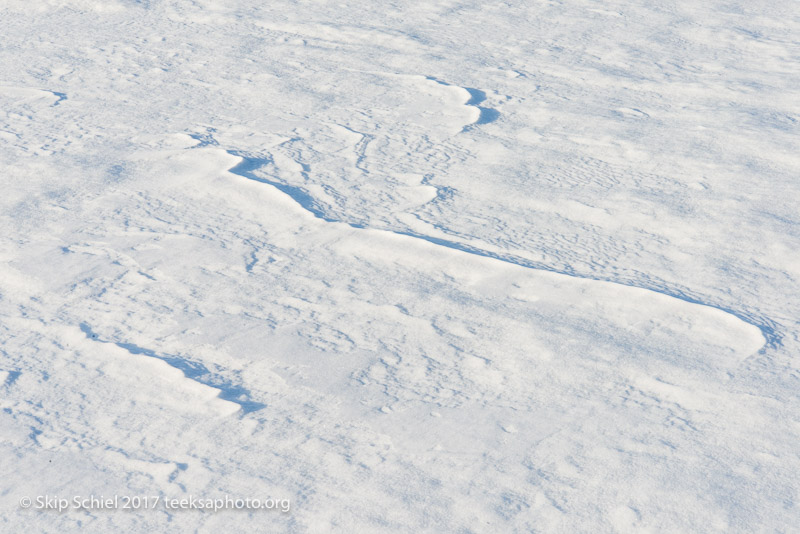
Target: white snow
(444,267)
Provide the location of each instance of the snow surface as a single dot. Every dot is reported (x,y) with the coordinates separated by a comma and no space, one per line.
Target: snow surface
(416,267)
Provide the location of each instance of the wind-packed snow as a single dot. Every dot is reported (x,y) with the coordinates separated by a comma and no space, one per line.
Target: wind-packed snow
(446,267)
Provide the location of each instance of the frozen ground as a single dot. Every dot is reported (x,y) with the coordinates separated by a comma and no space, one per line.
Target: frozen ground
(446,267)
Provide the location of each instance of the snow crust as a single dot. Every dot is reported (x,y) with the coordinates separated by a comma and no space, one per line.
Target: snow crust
(445,267)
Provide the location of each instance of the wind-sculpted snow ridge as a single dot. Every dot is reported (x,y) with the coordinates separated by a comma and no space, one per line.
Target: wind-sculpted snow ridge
(768,329)
(470,96)
(25,95)
(193,371)
(476,97)
(439,234)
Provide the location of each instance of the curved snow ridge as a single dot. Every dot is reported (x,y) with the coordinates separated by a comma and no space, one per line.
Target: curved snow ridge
(29,95)
(762,331)
(468,96)
(226,399)
(768,329)
(475,98)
